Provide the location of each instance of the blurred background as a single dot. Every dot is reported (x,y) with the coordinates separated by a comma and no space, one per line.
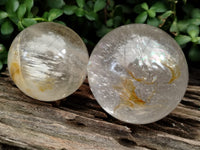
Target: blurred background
(92,19)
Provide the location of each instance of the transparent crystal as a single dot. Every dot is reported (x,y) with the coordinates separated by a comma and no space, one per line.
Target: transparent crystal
(48,61)
(138,73)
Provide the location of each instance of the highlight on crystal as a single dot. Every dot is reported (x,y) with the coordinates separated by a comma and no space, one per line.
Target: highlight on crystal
(138,73)
(47,61)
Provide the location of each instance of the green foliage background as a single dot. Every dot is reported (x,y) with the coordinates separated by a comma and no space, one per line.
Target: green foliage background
(92,19)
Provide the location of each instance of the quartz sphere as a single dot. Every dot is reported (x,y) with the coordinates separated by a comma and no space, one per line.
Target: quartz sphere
(48,61)
(138,73)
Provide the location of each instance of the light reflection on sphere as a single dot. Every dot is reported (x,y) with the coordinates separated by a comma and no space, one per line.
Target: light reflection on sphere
(138,73)
(48,61)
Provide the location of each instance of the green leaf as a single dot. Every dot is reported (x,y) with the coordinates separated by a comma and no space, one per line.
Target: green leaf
(3,14)
(187,9)
(151,13)
(45,15)
(34,12)
(1,65)
(117,21)
(29,4)
(128,21)
(198,42)
(99,5)
(55,3)
(112,4)
(60,22)
(159,7)
(20,26)
(11,6)
(153,21)
(118,11)
(109,22)
(7,28)
(145,6)
(174,27)
(166,14)
(103,30)
(90,4)
(182,25)
(80,3)
(126,9)
(2,48)
(21,11)
(5,61)
(69,9)
(195,13)
(141,18)
(182,39)
(138,9)
(195,39)
(193,30)
(184,1)
(79,12)
(13,17)
(3,56)
(194,53)
(91,15)
(164,17)
(28,22)
(54,13)
(195,21)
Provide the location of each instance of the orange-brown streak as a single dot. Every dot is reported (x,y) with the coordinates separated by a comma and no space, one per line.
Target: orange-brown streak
(138,79)
(14,70)
(128,95)
(175,73)
(46,85)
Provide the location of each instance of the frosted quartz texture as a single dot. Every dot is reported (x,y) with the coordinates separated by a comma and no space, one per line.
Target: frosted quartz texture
(48,61)
(138,73)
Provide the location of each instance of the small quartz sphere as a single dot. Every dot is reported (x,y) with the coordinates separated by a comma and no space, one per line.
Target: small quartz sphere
(138,73)
(48,61)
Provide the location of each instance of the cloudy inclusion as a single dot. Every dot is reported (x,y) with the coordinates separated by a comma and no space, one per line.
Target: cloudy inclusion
(139,61)
(47,61)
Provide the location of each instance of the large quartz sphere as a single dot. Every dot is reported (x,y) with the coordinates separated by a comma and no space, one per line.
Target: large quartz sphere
(138,73)
(48,61)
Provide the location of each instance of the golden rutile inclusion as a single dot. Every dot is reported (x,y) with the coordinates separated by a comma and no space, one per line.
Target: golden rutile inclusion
(138,73)
(175,71)
(15,73)
(36,58)
(47,84)
(14,70)
(127,90)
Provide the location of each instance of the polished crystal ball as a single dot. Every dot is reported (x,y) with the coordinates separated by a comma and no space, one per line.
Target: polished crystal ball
(48,61)
(138,73)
